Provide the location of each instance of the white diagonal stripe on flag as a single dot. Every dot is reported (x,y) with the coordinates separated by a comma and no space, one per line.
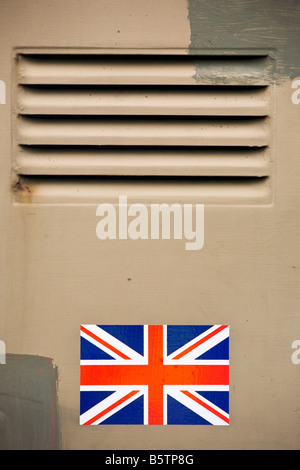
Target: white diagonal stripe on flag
(199,405)
(112,404)
(111,345)
(190,351)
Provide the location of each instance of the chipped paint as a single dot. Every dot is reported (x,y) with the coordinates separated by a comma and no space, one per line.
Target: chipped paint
(22,191)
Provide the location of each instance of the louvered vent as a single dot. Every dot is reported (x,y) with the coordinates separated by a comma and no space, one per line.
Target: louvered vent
(172,125)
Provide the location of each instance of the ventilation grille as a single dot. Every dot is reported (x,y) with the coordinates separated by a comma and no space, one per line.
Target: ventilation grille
(161,124)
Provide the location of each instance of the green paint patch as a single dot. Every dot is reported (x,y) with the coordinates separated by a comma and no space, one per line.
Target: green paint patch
(28,403)
(239,25)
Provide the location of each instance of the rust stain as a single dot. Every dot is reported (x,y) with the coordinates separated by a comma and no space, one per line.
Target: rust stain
(23,189)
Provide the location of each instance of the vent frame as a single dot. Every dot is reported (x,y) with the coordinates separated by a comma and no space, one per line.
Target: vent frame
(29,173)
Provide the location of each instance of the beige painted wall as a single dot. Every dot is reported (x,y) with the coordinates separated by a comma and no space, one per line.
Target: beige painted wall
(56,275)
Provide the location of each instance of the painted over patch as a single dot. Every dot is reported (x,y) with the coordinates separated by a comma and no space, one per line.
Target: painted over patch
(244,26)
(28,403)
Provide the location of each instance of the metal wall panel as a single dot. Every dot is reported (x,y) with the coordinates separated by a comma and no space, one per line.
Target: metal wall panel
(56,274)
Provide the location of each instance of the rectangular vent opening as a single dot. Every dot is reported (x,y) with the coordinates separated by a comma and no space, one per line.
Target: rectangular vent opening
(196,125)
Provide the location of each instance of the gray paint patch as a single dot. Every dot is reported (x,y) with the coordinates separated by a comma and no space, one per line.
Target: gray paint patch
(28,403)
(249,24)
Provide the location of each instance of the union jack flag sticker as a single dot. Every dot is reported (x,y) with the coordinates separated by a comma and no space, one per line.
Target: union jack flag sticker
(154,374)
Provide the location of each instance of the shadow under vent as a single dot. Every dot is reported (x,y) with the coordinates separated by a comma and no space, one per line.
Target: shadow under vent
(186,126)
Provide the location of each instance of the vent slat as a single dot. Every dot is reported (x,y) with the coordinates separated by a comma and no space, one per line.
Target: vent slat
(142,70)
(38,190)
(114,131)
(141,161)
(190,101)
